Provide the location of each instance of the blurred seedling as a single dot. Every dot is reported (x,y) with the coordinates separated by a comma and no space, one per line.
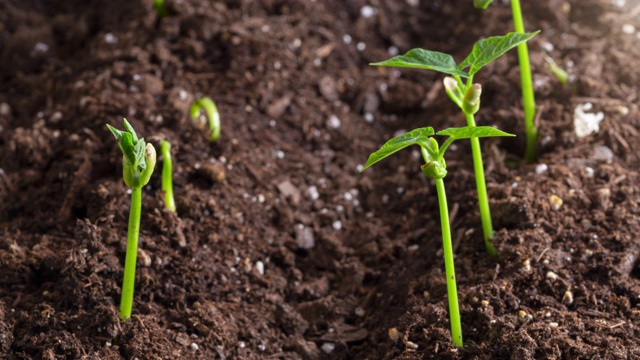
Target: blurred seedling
(138,160)
(466,96)
(211,113)
(167,175)
(435,168)
(560,74)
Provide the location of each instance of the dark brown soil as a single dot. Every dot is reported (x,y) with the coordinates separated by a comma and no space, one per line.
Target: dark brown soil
(281,249)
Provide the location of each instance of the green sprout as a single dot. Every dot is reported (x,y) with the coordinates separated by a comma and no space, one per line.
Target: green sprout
(482,4)
(211,110)
(436,168)
(161,8)
(528,98)
(167,175)
(466,96)
(561,74)
(139,160)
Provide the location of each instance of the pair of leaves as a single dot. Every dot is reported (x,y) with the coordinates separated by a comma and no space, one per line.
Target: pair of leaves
(421,137)
(132,147)
(484,52)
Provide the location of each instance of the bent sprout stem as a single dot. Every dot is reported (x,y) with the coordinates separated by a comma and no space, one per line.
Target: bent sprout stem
(528,99)
(211,110)
(167,175)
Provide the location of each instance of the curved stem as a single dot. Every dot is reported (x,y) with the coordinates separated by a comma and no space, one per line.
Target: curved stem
(126,303)
(450,271)
(528,100)
(483,198)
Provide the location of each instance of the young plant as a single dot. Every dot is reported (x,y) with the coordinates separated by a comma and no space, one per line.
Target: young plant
(466,96)
(138,160)
(436,168)
(167,175)
(160,8)
(211,110)
(528,98)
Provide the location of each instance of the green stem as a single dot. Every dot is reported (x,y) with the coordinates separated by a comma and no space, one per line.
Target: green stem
(450,271)
(483,198)
(126,303)
(167,175)
(528,100)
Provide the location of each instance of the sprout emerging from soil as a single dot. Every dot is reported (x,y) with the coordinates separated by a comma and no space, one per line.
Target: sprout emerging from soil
(161,8)
(139,160)
(528,98)
(466,96)
(167,175)
(436,168)
(211,111)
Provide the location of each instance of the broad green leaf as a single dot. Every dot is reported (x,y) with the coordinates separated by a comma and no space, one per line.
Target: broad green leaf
(425,59)
(482,4)
(467,132)
(489,49)
(398,143)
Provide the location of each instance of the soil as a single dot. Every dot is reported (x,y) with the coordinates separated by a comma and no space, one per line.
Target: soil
(280,249)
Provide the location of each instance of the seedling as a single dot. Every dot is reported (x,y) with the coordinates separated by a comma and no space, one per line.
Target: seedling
(466,96)
(160,8)
(167,175)
(211,111)
(138,160)
(436,168)
(528,98)
(561,74)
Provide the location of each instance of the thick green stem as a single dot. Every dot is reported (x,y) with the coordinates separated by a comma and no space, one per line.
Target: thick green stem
(483,198)
(450,271)
(126,303)
(528,100)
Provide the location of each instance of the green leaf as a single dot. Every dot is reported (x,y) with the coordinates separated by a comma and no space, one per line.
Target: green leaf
(425,59)
(482,4)
(413,137)
(467,132)
(133,151)
(489,49)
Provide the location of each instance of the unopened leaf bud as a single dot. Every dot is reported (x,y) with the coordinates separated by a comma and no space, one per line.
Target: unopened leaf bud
(471,99)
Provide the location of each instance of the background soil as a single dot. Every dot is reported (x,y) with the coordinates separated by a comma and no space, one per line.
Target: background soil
(280,249)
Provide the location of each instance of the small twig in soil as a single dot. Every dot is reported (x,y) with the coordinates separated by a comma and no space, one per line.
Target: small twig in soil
(542,254)
(617,325)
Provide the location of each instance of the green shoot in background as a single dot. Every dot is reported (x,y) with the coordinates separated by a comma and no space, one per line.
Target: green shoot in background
(528,98)
(211,110)
(466,96)
(138,160)
(436,168)
(160,8)
(167,175)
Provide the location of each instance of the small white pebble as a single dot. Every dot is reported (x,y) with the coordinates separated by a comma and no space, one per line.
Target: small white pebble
(586,123)
(261,198)
(183,95)
(313,192)
(552,276)
(589,172)
(412,345)
(400,190)
(5,109)
(368,11)
(109,38)
(337,225)
(280,154)
(526,266)
(368,117)
(553,325)
(317,62)
(547,46)
(107,344)
(541,168)
(619,3)
(393,51)
(361,46)
(241,344)
(346,38)
(360,312)
(194,346)
(260,267)
(262,347)
(514,184)
(628,29)
(359,167)
(40,48)
(328,347)
(333,122)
